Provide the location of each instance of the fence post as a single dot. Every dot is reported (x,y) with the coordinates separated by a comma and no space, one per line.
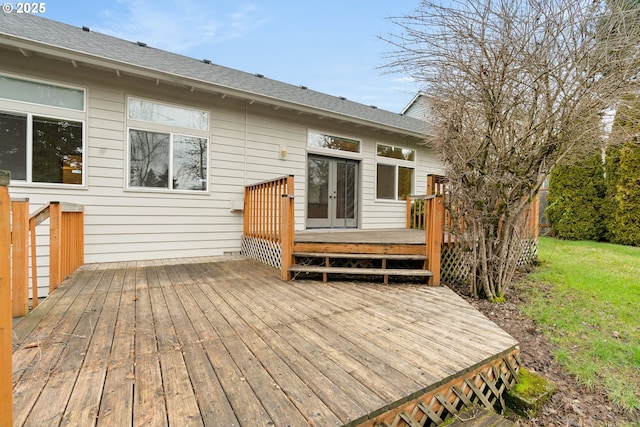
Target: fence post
(6,346)
(434,228)
(20,257)
(55,242)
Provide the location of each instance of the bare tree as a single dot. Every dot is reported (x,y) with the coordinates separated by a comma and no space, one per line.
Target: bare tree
(516,86)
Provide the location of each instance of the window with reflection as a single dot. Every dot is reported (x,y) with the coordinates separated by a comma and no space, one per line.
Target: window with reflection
(320,140)
(395,170)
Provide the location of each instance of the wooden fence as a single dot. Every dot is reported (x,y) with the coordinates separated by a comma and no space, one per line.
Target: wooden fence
(66,248)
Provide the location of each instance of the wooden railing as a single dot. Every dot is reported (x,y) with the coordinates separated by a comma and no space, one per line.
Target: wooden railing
(66,248)
(434,228)
(269,215)
(6,347)
(416,211)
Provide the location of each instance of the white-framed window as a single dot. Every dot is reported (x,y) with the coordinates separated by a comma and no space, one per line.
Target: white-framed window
(167,146)
(321,141)
(42,132)
(395,172)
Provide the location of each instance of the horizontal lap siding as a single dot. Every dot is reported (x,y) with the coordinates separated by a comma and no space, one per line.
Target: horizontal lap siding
(266,132)
(392,213)
(245,148)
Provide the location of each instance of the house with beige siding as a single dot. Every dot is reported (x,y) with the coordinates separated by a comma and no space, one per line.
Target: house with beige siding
(158,147)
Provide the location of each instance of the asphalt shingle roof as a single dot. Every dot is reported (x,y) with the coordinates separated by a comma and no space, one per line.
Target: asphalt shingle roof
(75,40)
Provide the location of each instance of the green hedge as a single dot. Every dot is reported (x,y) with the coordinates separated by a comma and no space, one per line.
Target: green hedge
(576,200)
(623,190)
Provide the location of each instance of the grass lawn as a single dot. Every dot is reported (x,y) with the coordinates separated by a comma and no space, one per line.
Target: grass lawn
(586,297)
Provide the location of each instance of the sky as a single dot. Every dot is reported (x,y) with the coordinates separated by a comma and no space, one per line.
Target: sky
(331,46)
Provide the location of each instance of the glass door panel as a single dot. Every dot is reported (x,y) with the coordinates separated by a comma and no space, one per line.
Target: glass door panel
(332,192)
(318,192)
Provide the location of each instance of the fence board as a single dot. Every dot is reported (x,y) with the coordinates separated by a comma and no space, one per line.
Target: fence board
(6,392)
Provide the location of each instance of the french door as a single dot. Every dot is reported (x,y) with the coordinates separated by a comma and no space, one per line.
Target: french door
(332,192)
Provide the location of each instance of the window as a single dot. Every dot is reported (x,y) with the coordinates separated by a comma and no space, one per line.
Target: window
(168,115)
(319,140)
(41,93)
(39,149)
(41,132)
(396,152)
(394,172)
(167,159)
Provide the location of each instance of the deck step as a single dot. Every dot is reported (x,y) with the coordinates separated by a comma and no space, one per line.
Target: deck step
(299,268)
(408,257)
(363,271)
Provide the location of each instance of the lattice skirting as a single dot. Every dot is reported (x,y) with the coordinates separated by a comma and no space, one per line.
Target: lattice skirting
(265,251)
(483,386)
(528,252)
(455,268)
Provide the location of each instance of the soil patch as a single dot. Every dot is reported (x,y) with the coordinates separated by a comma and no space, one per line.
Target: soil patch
(573,405)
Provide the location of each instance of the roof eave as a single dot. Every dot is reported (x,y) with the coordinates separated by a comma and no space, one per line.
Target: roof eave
(27,46)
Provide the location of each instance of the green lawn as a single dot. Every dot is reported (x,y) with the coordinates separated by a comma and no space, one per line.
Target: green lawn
(586,297)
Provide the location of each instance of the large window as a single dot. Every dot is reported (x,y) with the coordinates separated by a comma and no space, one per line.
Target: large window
(167,159)
(41,137)
(395,170)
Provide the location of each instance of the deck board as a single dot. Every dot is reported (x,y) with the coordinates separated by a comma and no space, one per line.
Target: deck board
(223,341)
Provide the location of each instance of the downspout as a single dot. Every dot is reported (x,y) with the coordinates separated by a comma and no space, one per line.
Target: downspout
(246,142)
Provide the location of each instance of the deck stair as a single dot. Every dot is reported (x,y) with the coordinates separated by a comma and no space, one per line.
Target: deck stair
(360,264)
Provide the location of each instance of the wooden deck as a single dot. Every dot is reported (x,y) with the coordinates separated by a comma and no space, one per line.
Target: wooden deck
(224,342)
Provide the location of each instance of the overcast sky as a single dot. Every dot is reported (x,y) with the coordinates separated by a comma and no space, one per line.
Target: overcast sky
(331,46)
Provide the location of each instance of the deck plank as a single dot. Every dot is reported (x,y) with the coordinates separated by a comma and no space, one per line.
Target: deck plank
(148,399)
(181,401)
(215,341)
(117,400)
(238,392)
(84,402)
(287,372)
(54,345)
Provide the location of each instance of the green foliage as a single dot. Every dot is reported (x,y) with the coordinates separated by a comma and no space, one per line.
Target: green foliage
(624,218)
(585,298)
(623,175)
(576,200)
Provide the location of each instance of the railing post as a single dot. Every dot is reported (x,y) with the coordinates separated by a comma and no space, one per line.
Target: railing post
(20,257)
(409,212)
(34,263)
(534,218)
(434,229)
(6,346)
(55,241)
(287,236)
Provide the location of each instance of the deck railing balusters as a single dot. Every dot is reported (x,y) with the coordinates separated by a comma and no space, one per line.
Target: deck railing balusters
(269,216)
(66,248)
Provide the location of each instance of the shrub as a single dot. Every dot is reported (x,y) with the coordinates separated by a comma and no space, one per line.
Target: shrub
(576,200)
(624,195)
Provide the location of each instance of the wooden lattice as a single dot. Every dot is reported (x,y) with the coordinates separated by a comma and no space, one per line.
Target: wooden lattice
(454,267)
(265,251)
(528,252)
(483,387)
